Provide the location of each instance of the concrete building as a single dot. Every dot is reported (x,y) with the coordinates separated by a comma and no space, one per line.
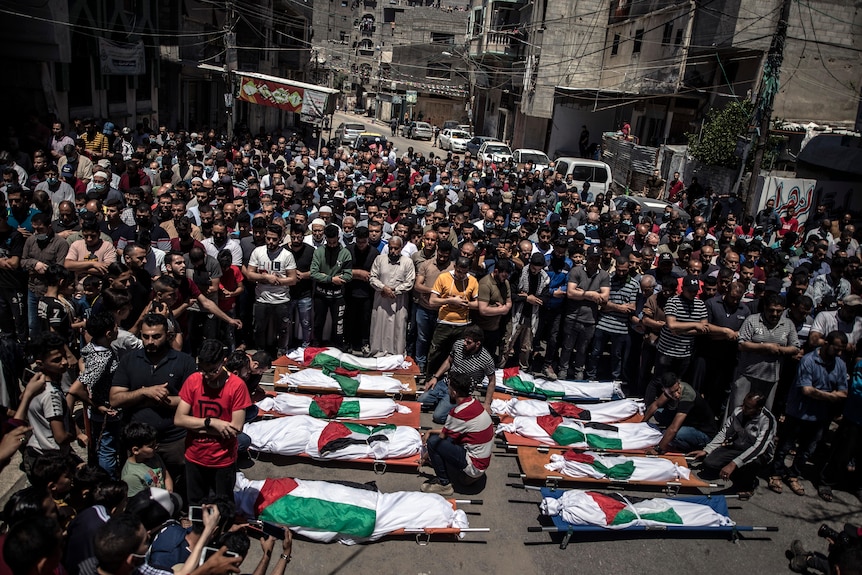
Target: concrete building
(379,53)
(136,62)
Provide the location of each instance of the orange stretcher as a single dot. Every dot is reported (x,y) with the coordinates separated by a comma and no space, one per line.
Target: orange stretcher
(411,419)
(413,370)
(379,466)
(423,534)
(533,461)
(408,380)
(636,418)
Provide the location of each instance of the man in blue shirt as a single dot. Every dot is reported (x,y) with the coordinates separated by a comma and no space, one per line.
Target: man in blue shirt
(821,380)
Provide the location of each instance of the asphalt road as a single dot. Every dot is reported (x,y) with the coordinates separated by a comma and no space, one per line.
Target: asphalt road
(401,144)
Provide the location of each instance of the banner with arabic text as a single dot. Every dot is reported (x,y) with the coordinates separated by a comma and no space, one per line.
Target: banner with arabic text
(119,59)
(269,93)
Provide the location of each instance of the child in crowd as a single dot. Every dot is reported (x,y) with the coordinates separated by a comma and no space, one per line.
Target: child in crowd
(143,468)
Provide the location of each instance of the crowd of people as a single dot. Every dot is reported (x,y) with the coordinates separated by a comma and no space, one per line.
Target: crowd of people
(140,267)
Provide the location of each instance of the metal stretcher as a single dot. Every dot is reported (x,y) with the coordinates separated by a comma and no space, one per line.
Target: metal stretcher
(718,503)
(408,380)
(412,371)
(636,418)
(423,534)
(533,461)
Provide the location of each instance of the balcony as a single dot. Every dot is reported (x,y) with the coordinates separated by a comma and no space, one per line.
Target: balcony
(496,44)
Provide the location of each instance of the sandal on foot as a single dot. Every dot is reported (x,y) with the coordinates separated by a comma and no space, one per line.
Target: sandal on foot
(825,493)
(775,484)
(745,495)
(795,486)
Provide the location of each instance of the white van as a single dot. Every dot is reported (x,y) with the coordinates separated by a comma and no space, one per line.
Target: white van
(597,173)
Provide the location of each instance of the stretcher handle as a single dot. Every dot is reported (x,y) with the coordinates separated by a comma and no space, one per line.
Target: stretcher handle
(469,502)
(541,529)
(772,529)
(516,475)
(516,485)
(411,531)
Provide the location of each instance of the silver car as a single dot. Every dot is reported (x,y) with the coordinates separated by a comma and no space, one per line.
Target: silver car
(347,132)
(418,131)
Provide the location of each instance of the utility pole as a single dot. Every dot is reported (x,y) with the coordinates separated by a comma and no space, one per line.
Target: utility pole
(230,66)
(768,89)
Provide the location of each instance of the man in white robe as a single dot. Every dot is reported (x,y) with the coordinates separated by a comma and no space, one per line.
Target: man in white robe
(392,277)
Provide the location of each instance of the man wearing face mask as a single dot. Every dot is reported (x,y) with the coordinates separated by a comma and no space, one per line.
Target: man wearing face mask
(332,269)
(41,249)
(82,165)
(182,170)
(159,238)
(220,241)
(58,191)
(135,176)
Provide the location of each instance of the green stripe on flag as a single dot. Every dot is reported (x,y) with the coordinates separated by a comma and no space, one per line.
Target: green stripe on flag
(518,384)
(325,362)
(567,435)
(358,428)
(669,516)
(601,442)
(381,428)
(619,471)
(347,409)
(321,515)
(348,385)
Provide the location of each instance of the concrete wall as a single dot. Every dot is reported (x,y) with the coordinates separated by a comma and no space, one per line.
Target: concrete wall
(566,127)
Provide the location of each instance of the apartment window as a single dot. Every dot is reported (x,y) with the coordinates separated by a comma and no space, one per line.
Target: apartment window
(344,3)
(439,70)
(639,38)
(441,38)
(668,34)
(615,47)
(678,41)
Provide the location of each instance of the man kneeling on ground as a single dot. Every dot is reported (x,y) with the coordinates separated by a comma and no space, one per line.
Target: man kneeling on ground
(464,443)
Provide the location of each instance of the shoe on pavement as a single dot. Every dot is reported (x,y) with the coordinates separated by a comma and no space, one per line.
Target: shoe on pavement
(365,351)
(434,486)
(562,374)
(799,561)
(548,373)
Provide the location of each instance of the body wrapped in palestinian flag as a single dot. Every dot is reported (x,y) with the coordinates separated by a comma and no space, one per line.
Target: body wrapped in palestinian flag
(607,412)
(331,406)
(324,511)
(588,464)
(555,430)
(306,435)
(617,512)
(515,381)
(348,384)
(331,358)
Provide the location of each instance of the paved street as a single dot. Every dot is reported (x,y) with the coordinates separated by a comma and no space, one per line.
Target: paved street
(401,144)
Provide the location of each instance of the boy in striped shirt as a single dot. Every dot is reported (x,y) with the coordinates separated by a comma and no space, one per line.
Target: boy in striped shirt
(464,443)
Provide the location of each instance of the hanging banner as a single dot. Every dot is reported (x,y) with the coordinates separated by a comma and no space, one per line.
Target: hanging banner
(270,93)
(313,107)
(119,59)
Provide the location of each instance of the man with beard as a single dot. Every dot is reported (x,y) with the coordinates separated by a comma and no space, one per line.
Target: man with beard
(177,212)
(426,313)
(300,293)
(135,176)
(551,316)
(273,268)
(359,293)
(331,268)
(95,142)
(135,256)
(67,222)
(146,386)
(392,277)
(614,319)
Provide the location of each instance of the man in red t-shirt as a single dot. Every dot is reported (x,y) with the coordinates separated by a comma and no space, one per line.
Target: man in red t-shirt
(212,408)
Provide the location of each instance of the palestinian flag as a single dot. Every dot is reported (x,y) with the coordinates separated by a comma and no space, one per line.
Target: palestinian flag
(553,429)
(328,359)
(520,382)
(607,412)
(586,464)
(318,506)
(618,512)
(337,436)
(331,406)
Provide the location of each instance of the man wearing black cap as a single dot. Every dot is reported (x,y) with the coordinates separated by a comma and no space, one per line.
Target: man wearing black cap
(588,288)
(685,317)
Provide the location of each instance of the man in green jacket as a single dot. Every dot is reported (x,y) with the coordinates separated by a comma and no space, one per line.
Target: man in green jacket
(331,269)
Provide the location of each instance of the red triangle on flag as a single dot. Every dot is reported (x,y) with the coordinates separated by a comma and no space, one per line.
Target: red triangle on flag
(347,372)
(329,404)
(549,423)
(272,491)
(578,457)
(511,372)
(609,505)
(333,430)
(309,353)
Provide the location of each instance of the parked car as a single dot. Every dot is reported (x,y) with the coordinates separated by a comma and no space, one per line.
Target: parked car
(454,140)
(418,130)
(450,124)
(476,142)
(597,173)
(366,139)
(466,128)
(347,132)
(647,205)
(539,158)
(496,152)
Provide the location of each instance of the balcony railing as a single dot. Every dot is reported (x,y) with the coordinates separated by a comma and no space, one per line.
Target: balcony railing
(495,43)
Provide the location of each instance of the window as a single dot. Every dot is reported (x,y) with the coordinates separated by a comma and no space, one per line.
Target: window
(678,41)
(439,70)
(615,48)
(639,38)
(668,34)
(441,38)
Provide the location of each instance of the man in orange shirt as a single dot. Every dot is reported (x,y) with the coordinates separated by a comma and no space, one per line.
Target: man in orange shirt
(456,293)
